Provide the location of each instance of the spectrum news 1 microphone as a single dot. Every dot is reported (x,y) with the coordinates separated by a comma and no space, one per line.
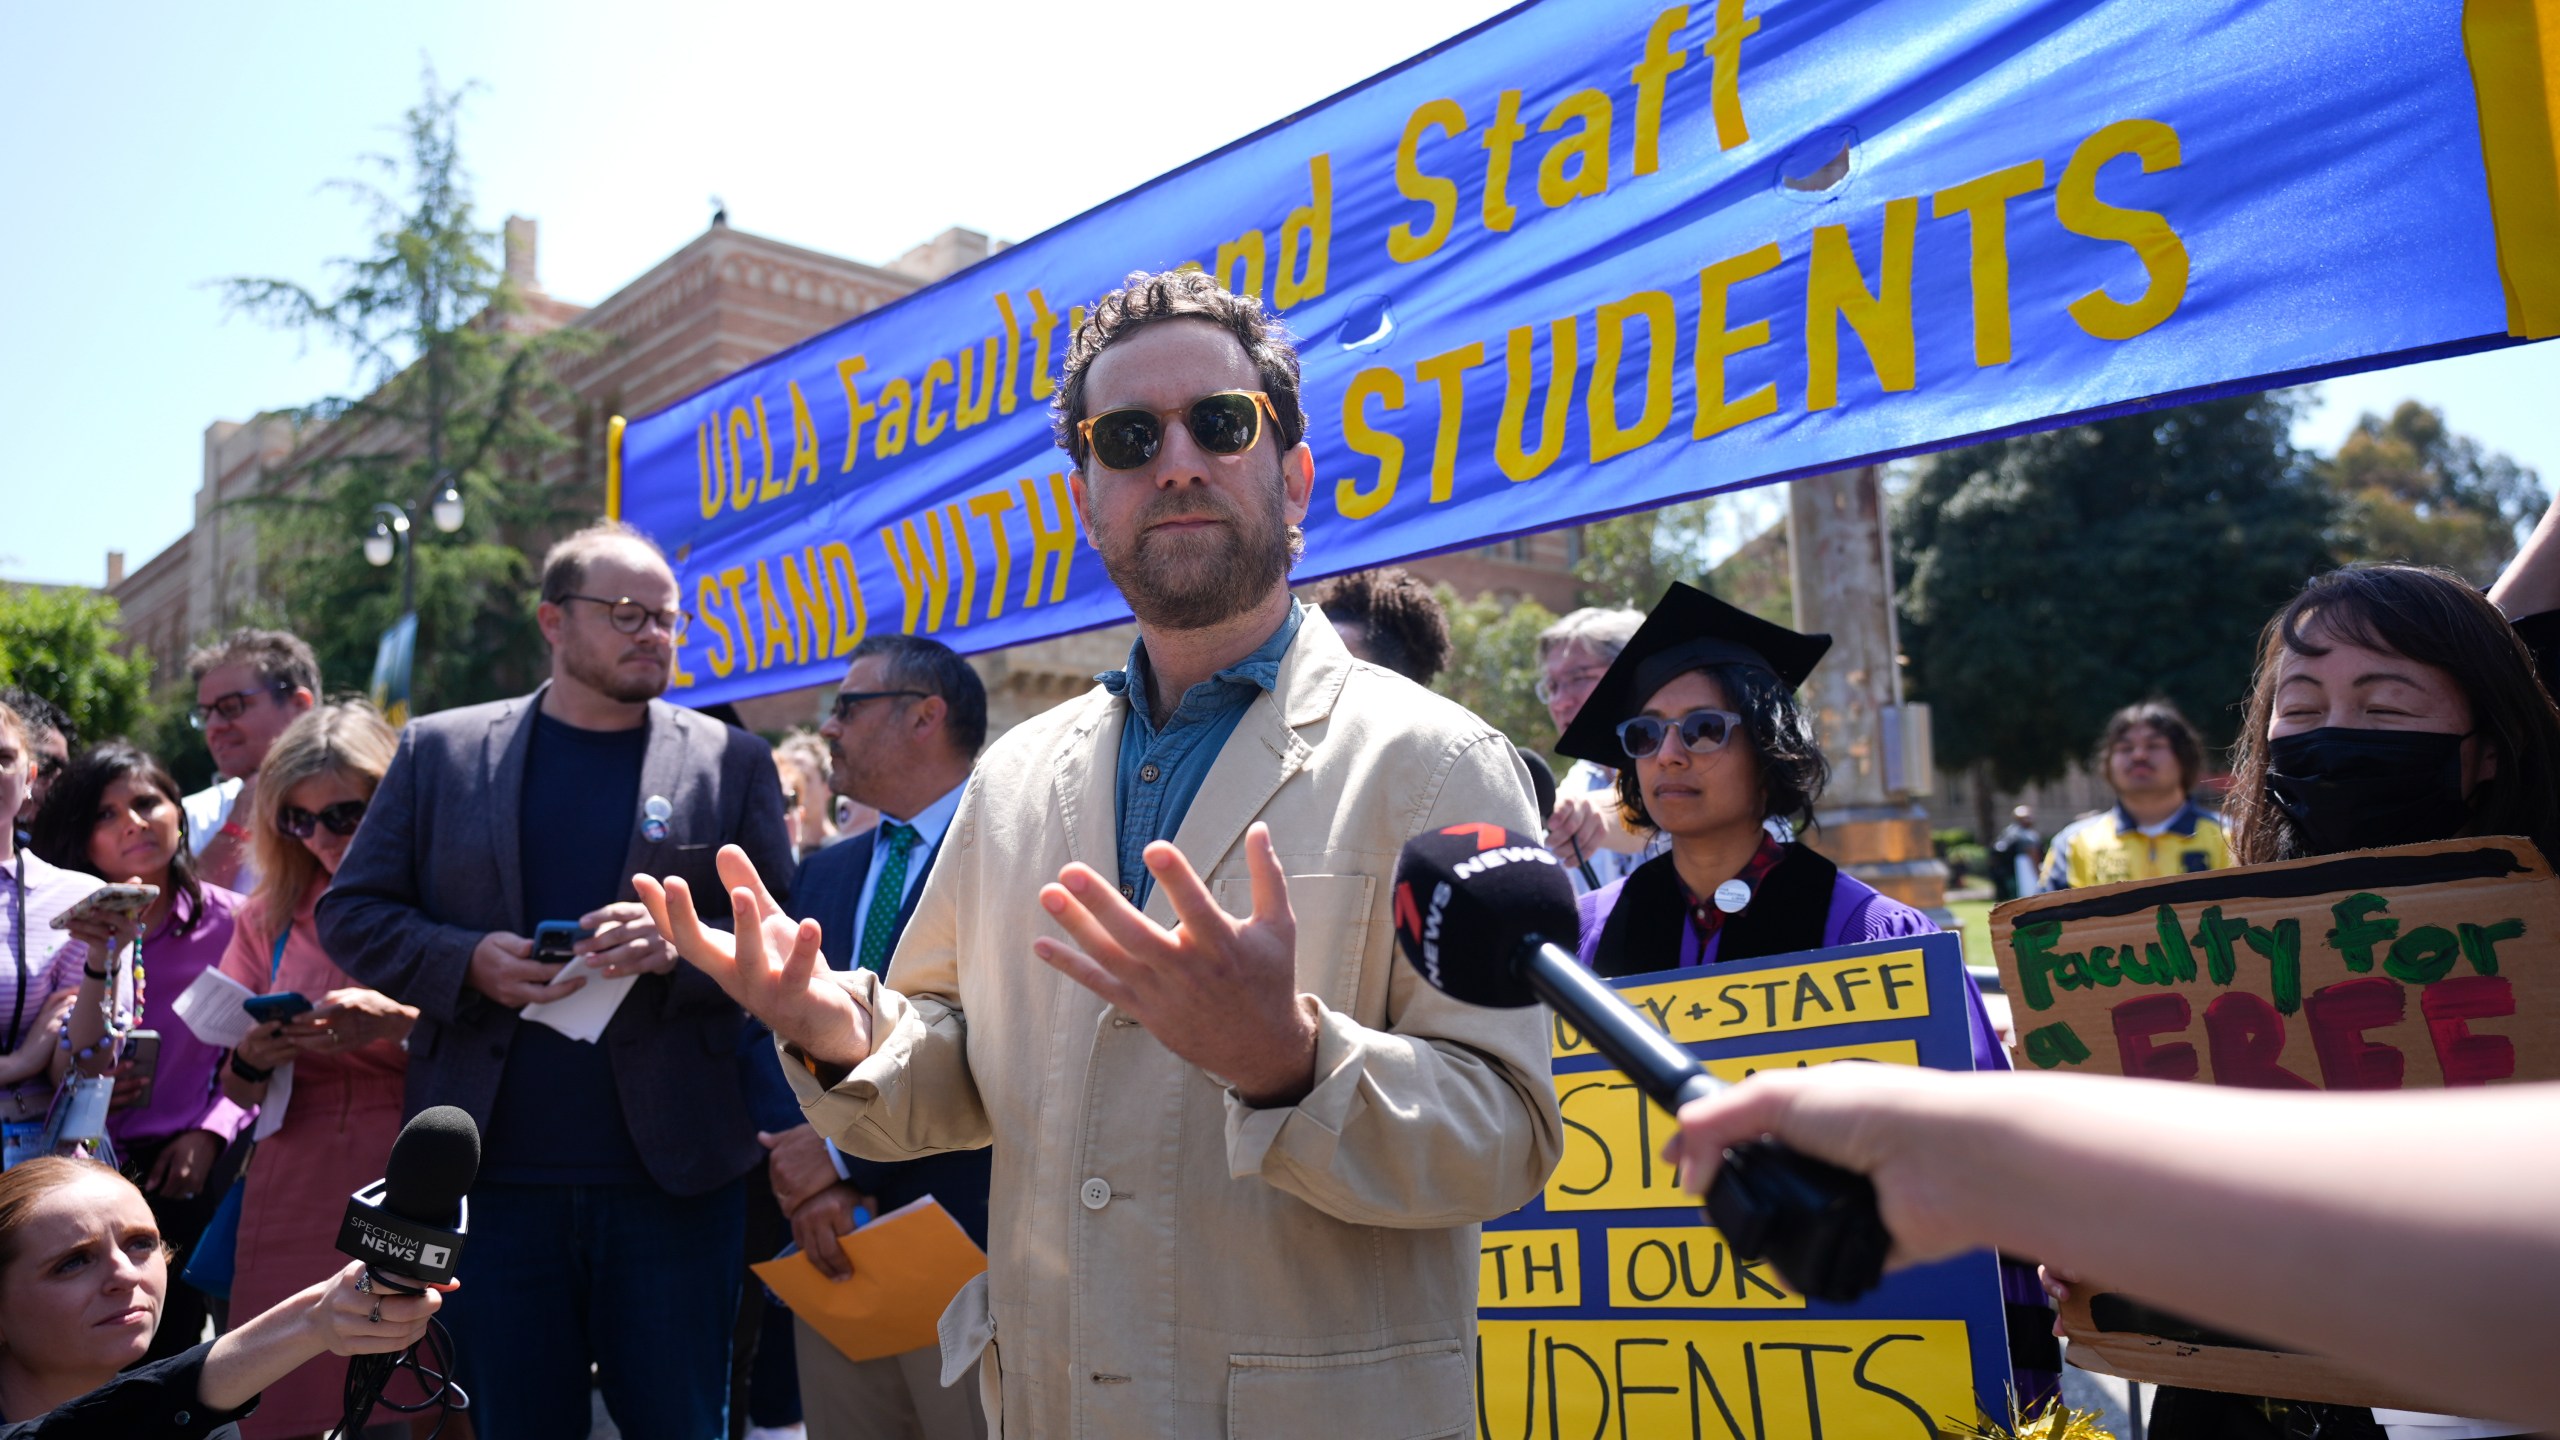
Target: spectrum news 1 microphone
(408,1228)
(1478,910)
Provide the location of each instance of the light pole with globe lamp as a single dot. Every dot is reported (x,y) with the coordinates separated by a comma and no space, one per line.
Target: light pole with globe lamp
(391,539)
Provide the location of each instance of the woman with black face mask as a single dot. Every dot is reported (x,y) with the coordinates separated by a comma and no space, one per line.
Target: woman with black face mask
(2392,704)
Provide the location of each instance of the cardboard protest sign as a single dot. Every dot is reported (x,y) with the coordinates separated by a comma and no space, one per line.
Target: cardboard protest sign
(2413,967)
(1609,1307)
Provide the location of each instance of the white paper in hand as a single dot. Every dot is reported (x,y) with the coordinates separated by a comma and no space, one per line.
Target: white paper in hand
(271,1110)
(211,1008)
(584,1015)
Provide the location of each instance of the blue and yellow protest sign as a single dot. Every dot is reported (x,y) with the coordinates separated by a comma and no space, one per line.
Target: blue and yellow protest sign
(1598,255)
(1609,1307)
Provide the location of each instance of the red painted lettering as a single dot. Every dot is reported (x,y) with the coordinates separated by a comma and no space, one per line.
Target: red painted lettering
(2339,1015)
(2246,1036)
(2449,1006)
(2138,1020)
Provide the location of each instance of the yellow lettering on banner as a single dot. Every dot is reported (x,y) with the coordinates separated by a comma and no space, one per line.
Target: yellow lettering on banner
(768,486)
(899,397)
(844,594)
(1048,542)
(2163,254)
(929,423)
(1872,1379)
(776,629)
(975,406)
(1012,353)
(1505,132)
(812,625)
(1836,292)
(1718,344)
(1448,371)
(1405,244)
(1985,204)
(1613,1136)
(968,554)
(924,573)
(1306,240)
(1518,1268)
(1387,386)
(1724,48)
(741,495)
(1564,362)
(732,580)
(1650,73)
(715,478)
(1243,254)
(856,413)
(804,441)
(706,599)
(1688,1267)
(990,507)
(1587,148)
(1720,1005)
(1609,439)
(1044,326)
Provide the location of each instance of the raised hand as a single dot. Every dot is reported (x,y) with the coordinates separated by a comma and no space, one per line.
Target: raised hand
(1220,992)
(770,966)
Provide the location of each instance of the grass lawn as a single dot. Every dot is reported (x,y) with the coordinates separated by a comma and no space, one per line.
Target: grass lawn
(1973,917)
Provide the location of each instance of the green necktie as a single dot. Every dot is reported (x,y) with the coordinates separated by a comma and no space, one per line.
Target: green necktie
(888,897)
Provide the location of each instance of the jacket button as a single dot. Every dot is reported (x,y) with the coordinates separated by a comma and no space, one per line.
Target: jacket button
(1097,1193)
(1148,773)
(1128,890)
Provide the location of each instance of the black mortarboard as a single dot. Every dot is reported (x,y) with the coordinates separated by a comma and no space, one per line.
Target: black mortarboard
(1687,630)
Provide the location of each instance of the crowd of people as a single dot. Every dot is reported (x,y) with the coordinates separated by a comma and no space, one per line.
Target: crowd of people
(1117,991)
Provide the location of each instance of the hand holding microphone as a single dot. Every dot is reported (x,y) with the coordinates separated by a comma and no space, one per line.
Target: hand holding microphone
(1478,910)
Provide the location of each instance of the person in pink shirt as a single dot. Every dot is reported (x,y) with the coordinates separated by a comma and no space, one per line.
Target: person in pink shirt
(342,1103)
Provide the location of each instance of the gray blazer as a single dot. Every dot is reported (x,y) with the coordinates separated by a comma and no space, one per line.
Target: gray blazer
(433,869)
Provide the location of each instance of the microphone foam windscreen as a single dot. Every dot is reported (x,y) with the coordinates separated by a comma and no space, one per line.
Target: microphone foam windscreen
(1542,782)
(1467,896)
(432,1165)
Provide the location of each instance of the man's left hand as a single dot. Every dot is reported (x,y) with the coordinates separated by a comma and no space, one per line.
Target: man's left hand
(1220,992)
(623,940)
(799,1163)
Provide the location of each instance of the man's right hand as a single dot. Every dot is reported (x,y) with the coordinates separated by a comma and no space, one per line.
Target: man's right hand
(820,1221)
(503,968)
(770,966)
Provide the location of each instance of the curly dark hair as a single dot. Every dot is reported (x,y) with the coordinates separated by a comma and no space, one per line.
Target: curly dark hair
(1400,621)
(1792,769)
(70,817)
(2172,726)
(1145,299)
(2434,617)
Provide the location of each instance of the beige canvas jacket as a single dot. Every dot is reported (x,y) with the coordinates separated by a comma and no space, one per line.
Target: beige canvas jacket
(1165,1260)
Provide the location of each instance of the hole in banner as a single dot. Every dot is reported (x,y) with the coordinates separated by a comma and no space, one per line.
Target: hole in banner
(1816,168)
(1367,323)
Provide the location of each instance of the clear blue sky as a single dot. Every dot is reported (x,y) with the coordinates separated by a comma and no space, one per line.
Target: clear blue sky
(153,149)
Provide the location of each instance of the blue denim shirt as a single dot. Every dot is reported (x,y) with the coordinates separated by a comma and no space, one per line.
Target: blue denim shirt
(1161,770)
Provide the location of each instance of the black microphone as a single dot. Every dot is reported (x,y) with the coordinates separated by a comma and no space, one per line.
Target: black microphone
(1477,911)
(408,1228)
(1542,790)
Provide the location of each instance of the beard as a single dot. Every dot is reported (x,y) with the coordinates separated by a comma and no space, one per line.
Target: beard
(1194,580)
(599,674)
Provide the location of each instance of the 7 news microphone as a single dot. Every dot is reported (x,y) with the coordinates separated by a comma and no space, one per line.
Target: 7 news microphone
(1478,911)
(408,1228)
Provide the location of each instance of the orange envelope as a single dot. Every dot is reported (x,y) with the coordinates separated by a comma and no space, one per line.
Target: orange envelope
(906,1267)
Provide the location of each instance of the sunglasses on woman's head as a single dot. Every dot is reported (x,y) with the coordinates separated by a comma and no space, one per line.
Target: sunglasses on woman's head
(341,819)
(1700,732)
(1226,423)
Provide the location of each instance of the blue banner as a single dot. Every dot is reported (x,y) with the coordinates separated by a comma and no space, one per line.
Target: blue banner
(1610,1307)
(1596,256)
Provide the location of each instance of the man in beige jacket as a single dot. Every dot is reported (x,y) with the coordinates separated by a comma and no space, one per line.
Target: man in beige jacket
(1241,1152)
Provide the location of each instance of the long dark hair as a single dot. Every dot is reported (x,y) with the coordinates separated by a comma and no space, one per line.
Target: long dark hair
(1792,769)
(2433,617)
(70,817)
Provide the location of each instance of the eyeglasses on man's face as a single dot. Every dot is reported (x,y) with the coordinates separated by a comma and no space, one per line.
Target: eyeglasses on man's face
(1225,423)
(341,819)
(848,701)
(1552,688)
(232,706)
(631,617)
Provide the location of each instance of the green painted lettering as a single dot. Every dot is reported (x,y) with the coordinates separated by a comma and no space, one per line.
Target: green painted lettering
(2282,949)
(2055,1045)
(2170,961)
(2480,943)
(2356,934)
(2033,946)
(2136,969)
(2214,936)
(2423,956)
(2102,965)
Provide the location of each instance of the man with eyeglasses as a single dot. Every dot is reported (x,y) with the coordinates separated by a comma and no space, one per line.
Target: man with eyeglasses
(1241,1151)
(608,1220)
(250,685)
(1587,831)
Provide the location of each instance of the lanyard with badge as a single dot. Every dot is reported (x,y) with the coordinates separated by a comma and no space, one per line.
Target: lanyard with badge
(18,1136)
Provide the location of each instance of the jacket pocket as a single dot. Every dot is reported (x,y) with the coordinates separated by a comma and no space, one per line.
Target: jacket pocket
(1332,912)
(1403,1392)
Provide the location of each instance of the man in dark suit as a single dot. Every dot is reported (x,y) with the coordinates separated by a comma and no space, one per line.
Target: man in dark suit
(907,725)
(607,1222)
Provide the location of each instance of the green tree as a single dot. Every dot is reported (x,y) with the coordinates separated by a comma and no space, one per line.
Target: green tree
(2050,578)
(2413,490)
(1630,560)
(458,378)
(60,643)
(1493,664)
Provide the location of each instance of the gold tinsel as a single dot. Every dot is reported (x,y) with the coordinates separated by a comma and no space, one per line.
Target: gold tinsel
(2056,1421)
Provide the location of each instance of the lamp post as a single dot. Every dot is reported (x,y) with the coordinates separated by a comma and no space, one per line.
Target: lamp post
(391,538)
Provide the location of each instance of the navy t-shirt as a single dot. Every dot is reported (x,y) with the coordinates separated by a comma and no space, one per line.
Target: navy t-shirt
(558,1119)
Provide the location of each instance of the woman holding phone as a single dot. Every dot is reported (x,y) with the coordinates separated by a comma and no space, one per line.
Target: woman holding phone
(330,1078)
(117,814)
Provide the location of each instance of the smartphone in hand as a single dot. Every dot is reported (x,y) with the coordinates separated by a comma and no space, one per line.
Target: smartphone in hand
(142,1052)
(554,941)
(276,1008)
